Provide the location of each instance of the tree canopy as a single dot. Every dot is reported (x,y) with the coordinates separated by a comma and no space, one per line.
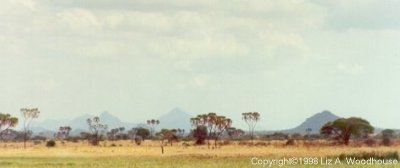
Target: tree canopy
(215,124)
(343,128)
(7,121)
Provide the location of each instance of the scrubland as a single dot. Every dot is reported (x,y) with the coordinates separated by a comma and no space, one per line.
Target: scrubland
(148,154)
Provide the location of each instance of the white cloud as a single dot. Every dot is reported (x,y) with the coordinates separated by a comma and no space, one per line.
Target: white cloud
(78,19)
(196,82)
(175,52)
(30,4)
(352,69)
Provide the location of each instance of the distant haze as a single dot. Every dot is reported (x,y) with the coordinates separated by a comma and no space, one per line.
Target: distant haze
(139,59)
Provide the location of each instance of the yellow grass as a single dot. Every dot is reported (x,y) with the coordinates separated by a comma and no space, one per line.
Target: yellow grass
(69,153)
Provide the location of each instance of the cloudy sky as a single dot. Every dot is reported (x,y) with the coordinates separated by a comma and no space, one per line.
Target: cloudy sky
(139,59)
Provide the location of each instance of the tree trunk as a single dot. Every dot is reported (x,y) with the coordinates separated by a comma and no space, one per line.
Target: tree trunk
(346,139)
(25,138)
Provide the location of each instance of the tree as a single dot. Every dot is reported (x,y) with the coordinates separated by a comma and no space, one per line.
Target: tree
(215,124)
(6,122)
(114,133)
(180,132)
(308,131)
(388,133)
(168,134)
(63,132)
(96,130)
(343,128)
(234,133)
(387,136)
(28,115)
(200,134)
(152,123)
(138,134)
(251,119)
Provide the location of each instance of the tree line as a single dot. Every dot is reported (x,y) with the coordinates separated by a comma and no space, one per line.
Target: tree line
(206,128)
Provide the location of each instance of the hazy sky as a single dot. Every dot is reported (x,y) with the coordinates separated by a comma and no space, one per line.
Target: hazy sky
(139,59)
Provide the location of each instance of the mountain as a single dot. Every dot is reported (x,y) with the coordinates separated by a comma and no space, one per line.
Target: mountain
(79,124)
(176,118)
(314,122)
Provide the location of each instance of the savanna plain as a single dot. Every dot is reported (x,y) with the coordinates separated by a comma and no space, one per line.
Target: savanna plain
(181,154)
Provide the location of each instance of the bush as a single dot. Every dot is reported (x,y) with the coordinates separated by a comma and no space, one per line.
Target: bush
(138,140)
(200,134)
(386,141)
(50,143)
(370,142)
(74,139)
(243,143)
(37,142)
(290,142)
(225,142)
(261,144)
(185,144)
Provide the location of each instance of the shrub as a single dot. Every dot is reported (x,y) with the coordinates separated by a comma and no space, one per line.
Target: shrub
(74,139)
(50,143)
(370,142)
(243,143)
(200,134)
(225,142)
(185,144)
(386,141)
(261,144)
(290,142)
(138,141)
(37,142)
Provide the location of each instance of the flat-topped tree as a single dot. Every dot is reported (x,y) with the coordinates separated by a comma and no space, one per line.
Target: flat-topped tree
(28,114)
(251,119)
(63,132)
(113,134)
(343,128)
(234,133)
(215,124)
(7,121)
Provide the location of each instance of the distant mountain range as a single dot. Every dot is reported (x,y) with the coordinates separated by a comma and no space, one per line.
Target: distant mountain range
(314,123)
(176,118)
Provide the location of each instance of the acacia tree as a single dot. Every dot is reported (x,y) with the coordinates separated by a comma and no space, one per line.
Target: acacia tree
(96,130)
(200,134)
(168,134)
(387,135)
(6,122)
(251,119)
(28,114)
(153,124)
(138,134)
(343,128)
(234,133)
(63,132)
(215,124)
(115,132)
(180,132)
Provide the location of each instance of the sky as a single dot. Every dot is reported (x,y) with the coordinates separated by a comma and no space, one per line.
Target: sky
(139,59)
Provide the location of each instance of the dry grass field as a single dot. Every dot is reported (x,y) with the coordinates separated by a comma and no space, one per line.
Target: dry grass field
(127,154)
